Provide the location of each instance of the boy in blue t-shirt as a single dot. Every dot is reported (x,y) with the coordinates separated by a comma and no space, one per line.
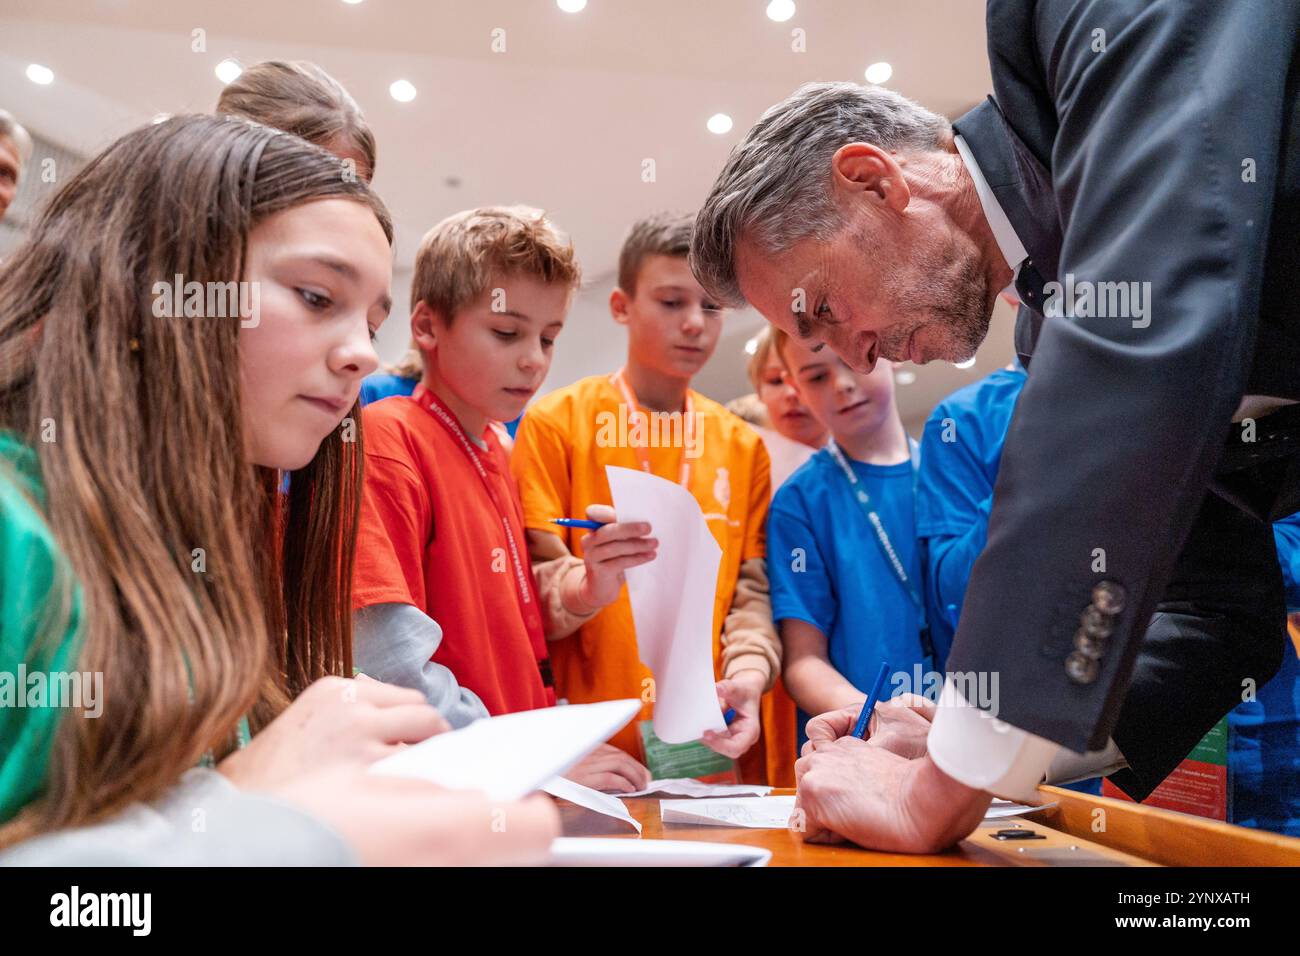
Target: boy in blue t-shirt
(838,600)
(961,450)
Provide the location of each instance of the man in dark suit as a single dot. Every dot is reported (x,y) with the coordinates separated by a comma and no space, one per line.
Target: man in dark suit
(1136,175)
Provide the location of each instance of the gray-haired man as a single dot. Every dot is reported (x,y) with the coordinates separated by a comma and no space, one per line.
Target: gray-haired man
(1137,176)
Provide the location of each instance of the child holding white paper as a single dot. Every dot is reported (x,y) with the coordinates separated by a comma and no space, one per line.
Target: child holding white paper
(646,416)
(843,605)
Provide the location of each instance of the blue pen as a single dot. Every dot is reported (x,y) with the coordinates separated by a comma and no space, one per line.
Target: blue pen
(730,715)
(860,728)
(578,523)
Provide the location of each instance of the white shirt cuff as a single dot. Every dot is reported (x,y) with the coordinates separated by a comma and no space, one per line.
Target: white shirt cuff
(974,747)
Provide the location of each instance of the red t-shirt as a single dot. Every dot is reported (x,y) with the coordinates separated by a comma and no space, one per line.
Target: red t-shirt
(431,535)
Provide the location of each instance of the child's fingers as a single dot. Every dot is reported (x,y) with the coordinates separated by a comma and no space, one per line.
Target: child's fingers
(378,694)
(616,532)
(621,549)
(408,724)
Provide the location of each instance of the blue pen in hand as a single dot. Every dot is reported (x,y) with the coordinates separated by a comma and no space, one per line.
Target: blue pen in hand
(578,523)
(860,728)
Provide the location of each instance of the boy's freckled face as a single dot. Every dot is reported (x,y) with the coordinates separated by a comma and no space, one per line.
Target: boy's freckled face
(850,403)
(323,272)
(672,323)
(498,348)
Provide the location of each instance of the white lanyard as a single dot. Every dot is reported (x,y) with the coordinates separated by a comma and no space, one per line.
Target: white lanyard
(688,428)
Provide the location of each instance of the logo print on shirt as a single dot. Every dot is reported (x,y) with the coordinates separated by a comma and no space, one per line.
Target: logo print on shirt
(722,488)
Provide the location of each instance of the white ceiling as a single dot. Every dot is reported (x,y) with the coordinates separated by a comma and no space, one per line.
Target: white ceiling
(563,119)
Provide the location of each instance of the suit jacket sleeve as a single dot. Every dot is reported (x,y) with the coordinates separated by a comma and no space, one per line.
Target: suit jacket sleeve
(1156,107)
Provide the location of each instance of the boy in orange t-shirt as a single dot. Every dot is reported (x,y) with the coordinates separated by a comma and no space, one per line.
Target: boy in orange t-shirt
(561,449)
(445,600)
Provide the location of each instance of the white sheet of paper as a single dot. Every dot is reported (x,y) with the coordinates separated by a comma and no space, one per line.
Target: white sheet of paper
(757,813)
(687,787)
(773,813)
(672,602)
(509,757)
(606,803)
(613,851)
(1001,809)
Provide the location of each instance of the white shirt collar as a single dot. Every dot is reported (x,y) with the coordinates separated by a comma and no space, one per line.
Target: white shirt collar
(1009,244)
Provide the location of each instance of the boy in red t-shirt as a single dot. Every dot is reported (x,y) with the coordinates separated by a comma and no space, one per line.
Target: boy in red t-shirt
(445,599)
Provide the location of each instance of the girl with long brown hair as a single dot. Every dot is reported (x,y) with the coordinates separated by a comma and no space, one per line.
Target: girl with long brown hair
(143,534)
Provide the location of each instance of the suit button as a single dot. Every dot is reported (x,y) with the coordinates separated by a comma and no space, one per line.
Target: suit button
(1088,645)
(1081,669)
(1095,624)
(1108,598)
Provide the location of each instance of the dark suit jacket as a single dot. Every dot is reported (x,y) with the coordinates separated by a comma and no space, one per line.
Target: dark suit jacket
(1150,142)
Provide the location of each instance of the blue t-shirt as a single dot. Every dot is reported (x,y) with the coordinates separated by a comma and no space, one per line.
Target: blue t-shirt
(961,449)
(826,567)
(384,385)
(1264,734)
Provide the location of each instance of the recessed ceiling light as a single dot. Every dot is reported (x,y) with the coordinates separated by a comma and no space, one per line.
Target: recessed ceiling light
(879,72)
(40,74)
(352,3)
(905,376)
(402,90)
(719,123)
(228,71)
(571,6)
(969,363)
(780,10)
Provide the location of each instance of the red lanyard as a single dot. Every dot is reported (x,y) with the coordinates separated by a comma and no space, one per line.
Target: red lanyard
(619,381)
(434,406)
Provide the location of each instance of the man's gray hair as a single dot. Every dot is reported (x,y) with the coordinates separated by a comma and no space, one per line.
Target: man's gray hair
(12,129)
(775,188)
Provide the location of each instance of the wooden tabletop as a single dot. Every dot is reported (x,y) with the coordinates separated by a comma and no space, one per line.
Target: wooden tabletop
(1057,848)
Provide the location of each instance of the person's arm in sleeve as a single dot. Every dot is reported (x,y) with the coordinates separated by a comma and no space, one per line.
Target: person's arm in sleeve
(203,821)
(1123,418)
(954,497)
(804,605)
(395,643)
(749,638)
(1286,535)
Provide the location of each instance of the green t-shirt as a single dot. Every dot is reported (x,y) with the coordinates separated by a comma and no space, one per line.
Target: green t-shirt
(29,559)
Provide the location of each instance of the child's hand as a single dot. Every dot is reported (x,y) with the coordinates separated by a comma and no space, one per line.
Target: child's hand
(608,552)
(900,725)
(610,769)
(335,721)
(742,692)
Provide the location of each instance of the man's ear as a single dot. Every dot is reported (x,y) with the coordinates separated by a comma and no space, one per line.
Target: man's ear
(618,305)
(424,327)
(861,170)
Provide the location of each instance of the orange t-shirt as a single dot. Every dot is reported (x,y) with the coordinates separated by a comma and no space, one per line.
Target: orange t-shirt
(431,535)
(563,444)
